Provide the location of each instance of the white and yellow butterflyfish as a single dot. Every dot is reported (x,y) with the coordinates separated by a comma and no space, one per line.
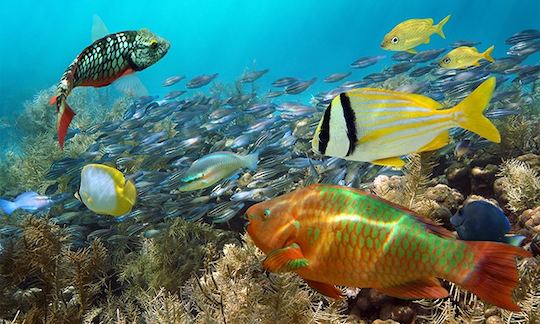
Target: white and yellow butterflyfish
(104,190)
(380,126)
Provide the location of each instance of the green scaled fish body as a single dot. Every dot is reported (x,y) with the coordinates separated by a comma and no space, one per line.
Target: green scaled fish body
(214,167)
(103,62)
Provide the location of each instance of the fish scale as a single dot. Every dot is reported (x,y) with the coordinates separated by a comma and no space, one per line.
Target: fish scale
(103,62)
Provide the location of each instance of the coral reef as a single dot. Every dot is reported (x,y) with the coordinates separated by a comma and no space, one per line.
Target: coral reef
(44,280)
(519,185)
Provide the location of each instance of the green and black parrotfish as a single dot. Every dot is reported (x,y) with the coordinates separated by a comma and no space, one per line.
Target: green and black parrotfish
(102,63)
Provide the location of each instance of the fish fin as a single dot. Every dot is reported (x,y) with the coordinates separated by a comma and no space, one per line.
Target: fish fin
(286,259)
(64,119)
(424,288)
(411,50)
(439,141)
(427,41)
(514,240)
(487,54)
(99,29)
(130,192)
(251,160)
(130,85)
(325,289)
(476,63)
(440,25)
(7,206)
(495,275)
(391,161)
(469,112)
(52,101)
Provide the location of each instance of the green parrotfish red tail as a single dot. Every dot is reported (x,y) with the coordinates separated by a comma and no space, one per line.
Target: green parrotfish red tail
(65,115)
(495,275)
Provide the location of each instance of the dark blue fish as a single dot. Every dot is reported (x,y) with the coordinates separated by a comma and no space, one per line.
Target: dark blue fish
(483,221)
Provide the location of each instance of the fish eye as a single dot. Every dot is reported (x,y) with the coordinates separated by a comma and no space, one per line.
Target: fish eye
(266,213)
(446,60)
(153,44)
(395,40)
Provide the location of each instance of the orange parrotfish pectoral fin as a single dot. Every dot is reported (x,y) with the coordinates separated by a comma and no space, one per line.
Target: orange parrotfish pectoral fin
(64,119)
(325,289)
(425,288)
(288,258)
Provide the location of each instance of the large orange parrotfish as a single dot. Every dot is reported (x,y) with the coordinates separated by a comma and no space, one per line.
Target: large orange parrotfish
(102,63)
(332,235)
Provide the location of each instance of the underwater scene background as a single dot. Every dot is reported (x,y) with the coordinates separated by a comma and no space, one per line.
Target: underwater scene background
(150,211)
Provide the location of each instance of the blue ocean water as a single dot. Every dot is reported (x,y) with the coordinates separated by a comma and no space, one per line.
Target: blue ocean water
(302,38)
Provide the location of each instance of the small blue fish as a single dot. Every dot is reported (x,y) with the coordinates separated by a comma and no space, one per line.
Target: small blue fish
(29,201)
(482,221)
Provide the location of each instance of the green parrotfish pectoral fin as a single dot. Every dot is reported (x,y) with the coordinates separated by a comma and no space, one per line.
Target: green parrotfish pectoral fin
(391,162)
(289,258)
(325,289)
(439,141)
(412,50)
(424,288)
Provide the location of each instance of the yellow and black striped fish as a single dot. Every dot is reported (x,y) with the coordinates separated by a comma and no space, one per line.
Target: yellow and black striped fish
(102,63)
(380,126)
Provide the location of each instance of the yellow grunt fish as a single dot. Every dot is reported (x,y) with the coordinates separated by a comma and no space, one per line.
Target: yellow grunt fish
(411,33)
(379,126)
(464,57)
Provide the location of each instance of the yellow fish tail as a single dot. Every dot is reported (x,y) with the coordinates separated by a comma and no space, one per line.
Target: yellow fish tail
(130,192)
(487,54)
(439,26)
(469,112)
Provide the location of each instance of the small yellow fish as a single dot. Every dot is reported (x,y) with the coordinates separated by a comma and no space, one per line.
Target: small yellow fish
(104,190)
(464,57)
(411,33)
(379,125)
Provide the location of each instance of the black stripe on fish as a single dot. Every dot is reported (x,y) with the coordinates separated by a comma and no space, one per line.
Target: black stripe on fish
(324,134)
(350,121)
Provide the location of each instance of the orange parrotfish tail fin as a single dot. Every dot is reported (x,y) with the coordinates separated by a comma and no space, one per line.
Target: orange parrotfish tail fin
(288,258)
(325,289)
(468,114)
(428,288)
(495,274)
(487,54)
(440,25)
(64,119)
